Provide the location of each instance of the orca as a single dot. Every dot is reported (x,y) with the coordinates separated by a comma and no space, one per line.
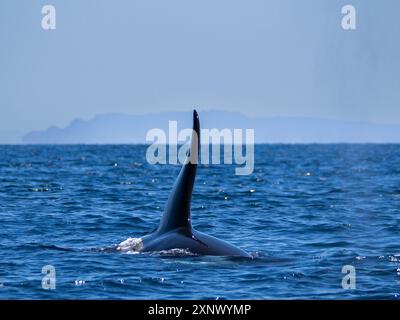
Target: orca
(175,230)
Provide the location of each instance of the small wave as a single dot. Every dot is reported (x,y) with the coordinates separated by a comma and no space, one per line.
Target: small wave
(105,249)
(153,280)
(80,283)
(259,257)
(44,189)
(45,246)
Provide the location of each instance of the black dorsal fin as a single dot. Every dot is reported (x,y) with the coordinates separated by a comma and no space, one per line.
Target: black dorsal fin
(177,209)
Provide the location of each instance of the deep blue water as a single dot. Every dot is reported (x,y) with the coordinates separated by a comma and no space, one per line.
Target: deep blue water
(306,211)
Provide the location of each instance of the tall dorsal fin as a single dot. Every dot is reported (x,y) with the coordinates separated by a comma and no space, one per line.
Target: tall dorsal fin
(177,209)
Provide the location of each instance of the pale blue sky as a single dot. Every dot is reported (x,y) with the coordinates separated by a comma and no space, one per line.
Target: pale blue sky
(269,58)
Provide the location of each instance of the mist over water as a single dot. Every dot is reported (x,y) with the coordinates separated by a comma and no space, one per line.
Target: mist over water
(304,213)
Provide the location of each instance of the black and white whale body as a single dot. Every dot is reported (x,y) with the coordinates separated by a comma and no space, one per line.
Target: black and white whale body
(175,230)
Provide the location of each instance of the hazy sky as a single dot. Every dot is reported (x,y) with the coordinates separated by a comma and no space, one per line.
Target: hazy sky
(269,58)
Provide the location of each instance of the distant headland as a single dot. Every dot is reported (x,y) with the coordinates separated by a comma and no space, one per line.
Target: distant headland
(123,128)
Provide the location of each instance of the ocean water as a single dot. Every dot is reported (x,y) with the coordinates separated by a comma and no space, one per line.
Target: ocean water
(305,212)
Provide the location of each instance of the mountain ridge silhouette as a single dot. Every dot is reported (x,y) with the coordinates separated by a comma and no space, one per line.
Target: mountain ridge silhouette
(122,128)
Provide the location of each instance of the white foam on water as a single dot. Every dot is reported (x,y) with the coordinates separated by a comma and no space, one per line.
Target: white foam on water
(176,252)
(131,245)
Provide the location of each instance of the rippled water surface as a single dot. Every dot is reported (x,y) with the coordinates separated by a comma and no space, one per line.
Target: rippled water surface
(305,212)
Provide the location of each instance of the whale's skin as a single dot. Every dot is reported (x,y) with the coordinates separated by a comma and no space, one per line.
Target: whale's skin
(175,230)
(193,241)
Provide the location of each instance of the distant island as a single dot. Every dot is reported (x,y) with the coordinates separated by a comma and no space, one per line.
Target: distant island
(123,128)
